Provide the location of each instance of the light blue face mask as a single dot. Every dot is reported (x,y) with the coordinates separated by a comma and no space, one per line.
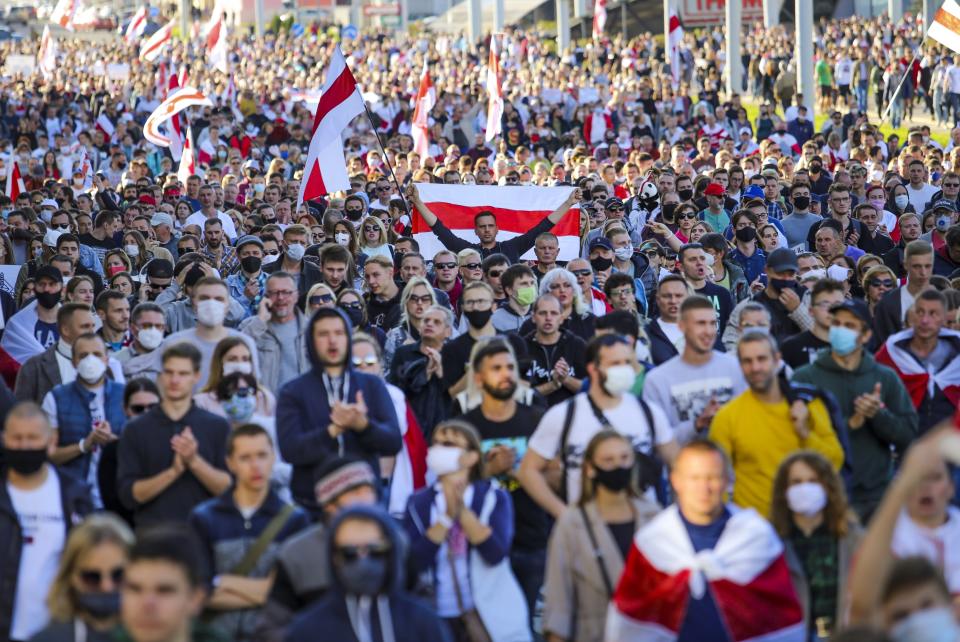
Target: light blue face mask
(929,625)
(240,408)
(843,341)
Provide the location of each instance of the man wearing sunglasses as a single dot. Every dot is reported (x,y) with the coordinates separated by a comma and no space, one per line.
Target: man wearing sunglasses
(485,228)
(38,506)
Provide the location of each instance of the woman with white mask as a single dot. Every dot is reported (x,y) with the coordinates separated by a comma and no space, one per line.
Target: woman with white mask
(820,535)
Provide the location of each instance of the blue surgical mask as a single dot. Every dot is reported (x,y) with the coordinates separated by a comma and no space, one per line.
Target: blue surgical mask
(843,341)
(240,408)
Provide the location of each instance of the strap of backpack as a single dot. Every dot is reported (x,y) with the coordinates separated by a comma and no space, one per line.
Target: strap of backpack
(564,436)
(255,552)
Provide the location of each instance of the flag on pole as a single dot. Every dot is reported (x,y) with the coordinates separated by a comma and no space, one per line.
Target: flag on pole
(47,55)
(599,18)
(174,104)
(945,27)
(176,138)
(153,46)
(517,209)
(674,38)
(15,184)
(138,24)
(64,13)
(340,102)
(230,98)
(85,167)
(495,92)
(103,124)
(426,99)
(215,35)
(188,165)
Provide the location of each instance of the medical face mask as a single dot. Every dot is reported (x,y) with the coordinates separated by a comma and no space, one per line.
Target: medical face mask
(443,460)
(619,379)
(843,341)
(808,498)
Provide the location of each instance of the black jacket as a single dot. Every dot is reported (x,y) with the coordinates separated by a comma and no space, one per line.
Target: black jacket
(893,259)
(888,315)
(76,504)
(661,348)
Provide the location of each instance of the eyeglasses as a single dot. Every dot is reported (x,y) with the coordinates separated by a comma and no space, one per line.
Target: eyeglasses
(688,215)
(949,184)
(184,250)
(320,299)
(876,283)
(495,274)
(417,300)
(356,305)
(284,293)
(371,228)
(583,272)
(370,360)
(274,253)
(472,266)
(512,181)
(351,553)
(140,408)
(445,266)
(243,392)
(94,578)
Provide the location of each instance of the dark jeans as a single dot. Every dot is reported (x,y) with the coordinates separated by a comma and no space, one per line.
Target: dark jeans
(529,568)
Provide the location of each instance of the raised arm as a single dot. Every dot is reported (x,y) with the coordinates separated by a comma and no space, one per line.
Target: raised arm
(556,215)
(413,197)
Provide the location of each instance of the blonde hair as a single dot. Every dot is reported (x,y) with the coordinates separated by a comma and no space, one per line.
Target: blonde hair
(97,529)
(408,291)
(380,226)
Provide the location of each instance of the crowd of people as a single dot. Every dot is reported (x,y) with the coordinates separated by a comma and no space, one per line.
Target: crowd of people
(228,415)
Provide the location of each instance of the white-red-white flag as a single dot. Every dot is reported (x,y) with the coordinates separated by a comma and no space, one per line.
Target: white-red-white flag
(945,27)
(340,102)
(153,46)
(138,24)
(65,13)
(747,576)
(918,381)
(14,186)
(174,104)
(599,18)
(494,92)
(230,98)
(426,99)
(47,55)
(104,124)
(85,167)
(188,164)
(215,35)
(174,126)
(519,211)
(674,40)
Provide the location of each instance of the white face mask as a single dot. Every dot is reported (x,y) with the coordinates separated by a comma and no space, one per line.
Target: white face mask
(443,460)
(133,251)
(929,625)
(91,368)
(295,251)
(807,498)
(211,312)
(342,238)
(619,379)
(901,200)
(150,338)
(243,367)
(269,258)
(623,253)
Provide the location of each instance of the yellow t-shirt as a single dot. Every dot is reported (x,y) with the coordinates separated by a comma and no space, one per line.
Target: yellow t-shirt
(758,436)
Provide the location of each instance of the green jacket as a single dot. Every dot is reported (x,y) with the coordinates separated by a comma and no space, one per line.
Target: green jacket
(894,425)
(201,633)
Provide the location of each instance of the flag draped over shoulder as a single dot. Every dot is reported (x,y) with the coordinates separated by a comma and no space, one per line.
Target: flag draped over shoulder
(918,381)
(517,209)
(746,574)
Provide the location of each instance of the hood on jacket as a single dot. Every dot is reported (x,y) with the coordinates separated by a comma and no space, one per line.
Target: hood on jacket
(396,576)
(327,313)
(825,360)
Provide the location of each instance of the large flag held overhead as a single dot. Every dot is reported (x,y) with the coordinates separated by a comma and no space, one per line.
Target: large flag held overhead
(517,209)
(136,27)
(746,573)
(14,186)
(599,18)
(65,13)
(945,27)
(918,381)
(426,99)
(153,46)
(215,35)
(495,92)
(188,165)
(176,131)
(674,38)
(47,55)
(325,170)
(174,104)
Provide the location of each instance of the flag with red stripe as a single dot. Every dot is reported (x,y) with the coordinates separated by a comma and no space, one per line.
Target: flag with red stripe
(153,46)
(945,27)
(746,573)
(138,24)
(325,170)
(915,377)
(176,132)
(64,13)
(47,55)
(15,184)
(104,124)
(215,35)
(674,39)
(495,92)
(188,165)
(516,208)
(426,99)
(175,103)
(599,18)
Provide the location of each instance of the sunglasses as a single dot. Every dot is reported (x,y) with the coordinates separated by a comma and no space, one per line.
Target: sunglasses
(471,266)
(445,266)
(614,208)
(351,306)
(582,272)
(371,228)
(417,300)
(140,408)
(887,283)
(94,579)
(351,553)
(950,185)
(495,274)
(688,215)
(370,360)
(185,250)
(319,299)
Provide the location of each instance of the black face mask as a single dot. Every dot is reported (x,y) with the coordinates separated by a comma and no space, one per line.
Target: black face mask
(478,318)
(815,169)
(782,284)
(615,479)
(801,203)
(356,316)
(600,264)
(48,300)
(251,264)
(363,576)
(25,462)
(354,215)
(667,212)
(746,234)
(685,194)
(20,235)
(99,605)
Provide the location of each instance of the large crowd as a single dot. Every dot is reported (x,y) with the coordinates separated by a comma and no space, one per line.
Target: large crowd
(228,415)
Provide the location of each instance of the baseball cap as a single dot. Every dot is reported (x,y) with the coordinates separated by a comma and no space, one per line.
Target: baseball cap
(146,199)
(161,219)
(854,307)
(782,259)
(754,191)
(613,200)
(945,204)
(601,241)
(248,239)
(745,130)
(48,272)
(49,202)
(713,189)
(251,164)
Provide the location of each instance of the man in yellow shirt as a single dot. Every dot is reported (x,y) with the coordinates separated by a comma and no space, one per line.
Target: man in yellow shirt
(759,428)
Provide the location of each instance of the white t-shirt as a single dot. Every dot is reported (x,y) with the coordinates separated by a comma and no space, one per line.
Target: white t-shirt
(198,218)
(40,514)
(920,197)
(953,73)
(628,419)
(673,332)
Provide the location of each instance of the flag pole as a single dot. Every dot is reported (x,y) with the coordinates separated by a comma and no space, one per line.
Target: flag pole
(383,151)
(896,92)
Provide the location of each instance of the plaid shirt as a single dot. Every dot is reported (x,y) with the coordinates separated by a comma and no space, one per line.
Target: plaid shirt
(775,211)
(819,556)
(228,264)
